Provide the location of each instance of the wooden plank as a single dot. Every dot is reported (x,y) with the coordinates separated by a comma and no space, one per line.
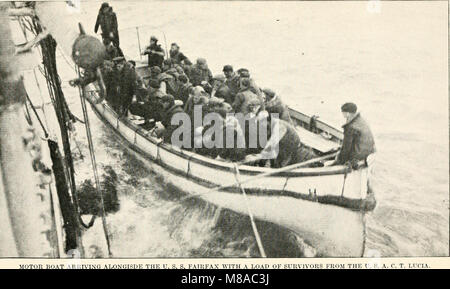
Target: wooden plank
(316,141)
(336,132)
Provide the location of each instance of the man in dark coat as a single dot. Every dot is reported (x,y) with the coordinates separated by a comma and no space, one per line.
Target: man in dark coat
(177,56)
(168,83)
(200,73)
(220,89)
(283,147)
(232,81)
(245,74)
(126,86)
(275,105)
(166,65)
(234,148)
(358,141)
(244,97)
(107,20)
(111,51)
(169,110)
(108,75)
(155,53)
(184,88)
(109,78)
(150,107)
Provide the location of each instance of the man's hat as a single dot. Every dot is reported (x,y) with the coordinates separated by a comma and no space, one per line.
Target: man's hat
(171,70)
(269,92)
(244,73)
(174,44)
(154,83)
(254,102)
(228,68)
(155,69)
(167,61)
(118,59)
(153,38)
(104,5)
(198,90)
(167,98)
(349,107)
(179,69)
(201,61)
(219,77)
(183,78)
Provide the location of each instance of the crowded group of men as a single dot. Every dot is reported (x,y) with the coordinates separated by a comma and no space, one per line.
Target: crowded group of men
(174,85)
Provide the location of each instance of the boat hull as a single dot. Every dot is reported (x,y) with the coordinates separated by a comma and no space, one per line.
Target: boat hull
(325,209)
(331,230)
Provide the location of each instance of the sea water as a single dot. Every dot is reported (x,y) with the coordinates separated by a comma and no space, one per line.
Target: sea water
(390,60)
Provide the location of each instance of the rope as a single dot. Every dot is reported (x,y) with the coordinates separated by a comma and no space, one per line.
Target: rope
(343,183)
(42,98)
(49,71)
(61,52)
(94,166)
(37,115)
(255,229)
(27,115)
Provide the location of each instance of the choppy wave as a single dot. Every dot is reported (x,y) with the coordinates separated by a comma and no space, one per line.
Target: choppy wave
(314,69)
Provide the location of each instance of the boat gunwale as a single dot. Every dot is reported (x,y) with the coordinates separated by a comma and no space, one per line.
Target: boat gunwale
(221,165)
(354,204)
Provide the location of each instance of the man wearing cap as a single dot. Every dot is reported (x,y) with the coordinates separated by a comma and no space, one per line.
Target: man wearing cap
(234,148)
(283,146)
(220,89)
(184,87)
(200,73)
(155,53)
(126,86)
(168,82)
(197,96)
(232,81)
(170,108)
(245,74)
(358,142)
(166,65)
(155,71)
(150,106)
(245,96)
(275,105)
(153,89)
(177,56)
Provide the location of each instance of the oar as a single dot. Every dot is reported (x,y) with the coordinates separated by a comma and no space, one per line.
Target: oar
(262,175)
